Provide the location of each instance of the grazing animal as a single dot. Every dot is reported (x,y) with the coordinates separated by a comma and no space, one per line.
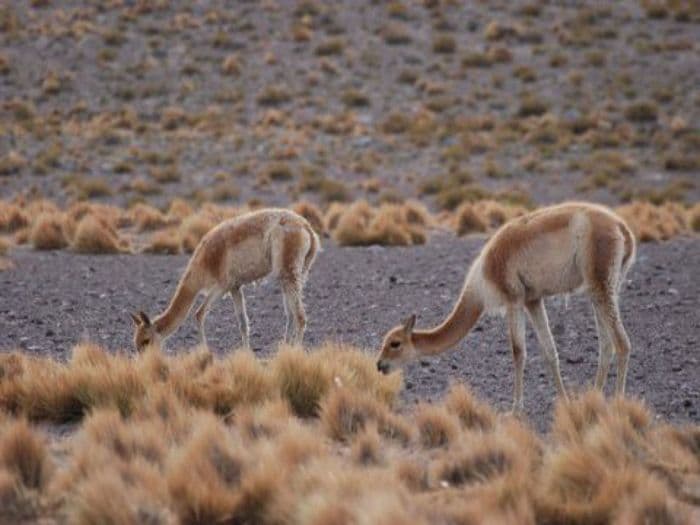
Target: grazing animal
(555,250)
(237,252)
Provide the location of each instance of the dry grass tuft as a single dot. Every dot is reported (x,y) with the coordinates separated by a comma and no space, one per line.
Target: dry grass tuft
(366,448)
(145,217)
(152,449)
(436,426)
(12,217)
(193,228)
(472,414)
(165,242)
(312,214)
(24,455)
(389,225)
(93,235)
(345,413)
(47,232)
(301,380)
(650,222)
(468,220)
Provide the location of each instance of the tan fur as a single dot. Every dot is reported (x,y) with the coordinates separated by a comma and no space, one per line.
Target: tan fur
(555,250)
(237,252)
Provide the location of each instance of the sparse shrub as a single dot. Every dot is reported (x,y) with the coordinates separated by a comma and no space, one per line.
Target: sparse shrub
(24,455)
(436,426)
(92,187)
(166,242)
(395,123)
(93,235)
(12,163)
(332,46)
(642,111)
(355,98)
(531,106)
(472,414)
(366,448)
(12,217)
(476,59)
(301,380)
(479,461)
(312,214)
(444,44)
(231,65)
(396,34)
(279,171)
(47,232)
(273,96)
(145,217)
(193,228)
(361,225)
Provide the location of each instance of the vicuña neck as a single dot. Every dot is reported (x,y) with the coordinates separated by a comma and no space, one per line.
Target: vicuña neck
(463,317)
(180,305)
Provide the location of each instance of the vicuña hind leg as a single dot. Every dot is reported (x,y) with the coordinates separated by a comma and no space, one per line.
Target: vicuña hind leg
(538,316)
(516,329)
(294,308)
(605,348)
(610,317)
(203,310)
(242,315)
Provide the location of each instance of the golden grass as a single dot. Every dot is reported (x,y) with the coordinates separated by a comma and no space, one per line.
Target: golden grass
(657,222)
(390,224)
(100,228)
(312,214)
(93,235)
(152,447)
(47,232)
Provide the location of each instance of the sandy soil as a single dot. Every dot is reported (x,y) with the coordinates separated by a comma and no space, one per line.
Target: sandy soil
(51,300)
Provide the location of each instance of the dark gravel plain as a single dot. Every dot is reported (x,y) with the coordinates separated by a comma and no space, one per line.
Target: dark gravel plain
(51,300)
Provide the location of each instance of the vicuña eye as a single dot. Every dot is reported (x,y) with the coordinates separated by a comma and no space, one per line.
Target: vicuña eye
(395,344)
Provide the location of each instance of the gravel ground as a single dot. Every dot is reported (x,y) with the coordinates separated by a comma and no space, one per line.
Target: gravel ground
(51,300)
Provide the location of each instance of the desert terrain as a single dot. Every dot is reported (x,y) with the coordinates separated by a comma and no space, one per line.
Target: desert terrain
(406,132)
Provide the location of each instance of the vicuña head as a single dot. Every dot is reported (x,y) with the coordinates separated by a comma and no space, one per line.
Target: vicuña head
(237,252)
(397,347)
(555,250)
(144,332)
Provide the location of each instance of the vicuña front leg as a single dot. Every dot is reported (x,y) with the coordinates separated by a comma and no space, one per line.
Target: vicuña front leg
(516,329)
(241,314)
(538,316)
(203,310)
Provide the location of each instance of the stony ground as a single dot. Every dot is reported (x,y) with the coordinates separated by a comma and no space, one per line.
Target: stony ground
(51,300)
(280,100)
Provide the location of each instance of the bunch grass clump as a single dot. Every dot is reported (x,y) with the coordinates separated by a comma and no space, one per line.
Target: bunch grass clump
(316,436)
(93,235)
(390,225)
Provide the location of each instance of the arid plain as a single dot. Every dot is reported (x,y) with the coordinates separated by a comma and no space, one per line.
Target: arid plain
(406,132)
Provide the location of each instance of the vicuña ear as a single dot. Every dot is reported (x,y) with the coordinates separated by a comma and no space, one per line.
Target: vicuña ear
(408,324)
(136,319)
(144,318)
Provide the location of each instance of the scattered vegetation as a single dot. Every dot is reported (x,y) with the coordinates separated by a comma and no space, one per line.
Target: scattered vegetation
(193,438)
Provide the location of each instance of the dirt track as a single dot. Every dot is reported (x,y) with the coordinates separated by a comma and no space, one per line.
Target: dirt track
(51,300)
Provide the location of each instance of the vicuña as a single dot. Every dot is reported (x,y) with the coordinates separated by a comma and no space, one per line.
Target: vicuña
(237,252)
(555,250)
